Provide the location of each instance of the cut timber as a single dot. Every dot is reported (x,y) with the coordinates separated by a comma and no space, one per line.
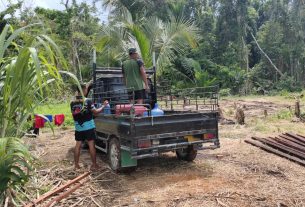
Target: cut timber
(281,147)
(298,137)
(274,151)
(289,144)
(292,140)
(57,190)
(284,147)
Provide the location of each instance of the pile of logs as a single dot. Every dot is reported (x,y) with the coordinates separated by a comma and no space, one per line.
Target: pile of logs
(288,145)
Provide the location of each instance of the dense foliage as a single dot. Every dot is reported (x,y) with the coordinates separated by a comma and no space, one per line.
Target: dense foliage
(246,46)
(29,63)
(231,34)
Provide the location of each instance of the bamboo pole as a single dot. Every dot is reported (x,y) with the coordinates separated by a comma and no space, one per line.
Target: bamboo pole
(63,195)
(57,190)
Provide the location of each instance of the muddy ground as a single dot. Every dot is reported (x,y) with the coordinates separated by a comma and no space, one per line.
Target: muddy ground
(237,174)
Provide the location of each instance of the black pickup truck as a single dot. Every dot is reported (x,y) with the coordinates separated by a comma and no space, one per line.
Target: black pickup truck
(189,122)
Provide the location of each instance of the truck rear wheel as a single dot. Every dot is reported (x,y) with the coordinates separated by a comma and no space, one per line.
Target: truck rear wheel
(115,154)
(187,154)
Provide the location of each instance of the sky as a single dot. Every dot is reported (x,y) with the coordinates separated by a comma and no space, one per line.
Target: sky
(55,4)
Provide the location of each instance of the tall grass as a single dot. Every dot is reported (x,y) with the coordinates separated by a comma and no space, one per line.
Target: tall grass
(29,65)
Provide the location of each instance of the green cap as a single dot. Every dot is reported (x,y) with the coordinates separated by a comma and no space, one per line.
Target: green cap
(132,50)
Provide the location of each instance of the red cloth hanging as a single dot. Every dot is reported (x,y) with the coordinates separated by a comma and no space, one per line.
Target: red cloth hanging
(39,122)
(59,119)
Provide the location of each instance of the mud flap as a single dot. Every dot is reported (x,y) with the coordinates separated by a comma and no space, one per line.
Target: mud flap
(126,160)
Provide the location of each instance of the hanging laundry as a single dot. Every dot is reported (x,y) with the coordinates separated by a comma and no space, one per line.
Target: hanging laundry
(59,119)
(39,122)
(50,118)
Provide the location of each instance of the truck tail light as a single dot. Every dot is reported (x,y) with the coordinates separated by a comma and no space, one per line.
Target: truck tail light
(208,136)
(144,143)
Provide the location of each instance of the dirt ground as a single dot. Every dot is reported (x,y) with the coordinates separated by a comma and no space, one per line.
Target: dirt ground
(236,174)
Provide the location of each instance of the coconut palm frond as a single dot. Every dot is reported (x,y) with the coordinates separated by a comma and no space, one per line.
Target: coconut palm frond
(177,37)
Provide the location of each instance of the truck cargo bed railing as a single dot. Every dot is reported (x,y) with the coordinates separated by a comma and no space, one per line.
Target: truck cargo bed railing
(189,99)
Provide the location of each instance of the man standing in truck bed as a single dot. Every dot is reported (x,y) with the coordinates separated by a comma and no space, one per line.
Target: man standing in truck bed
(135,77)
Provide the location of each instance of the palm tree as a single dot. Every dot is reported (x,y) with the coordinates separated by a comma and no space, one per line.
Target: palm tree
(168,39)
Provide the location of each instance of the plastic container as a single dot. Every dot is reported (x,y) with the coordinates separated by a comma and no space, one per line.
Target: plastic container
(127,108)
(156,111)
(107,109)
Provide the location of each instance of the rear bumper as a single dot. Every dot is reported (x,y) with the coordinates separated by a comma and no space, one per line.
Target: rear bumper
(154,151)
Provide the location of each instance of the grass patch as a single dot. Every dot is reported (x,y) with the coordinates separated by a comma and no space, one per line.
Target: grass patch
(283,114)
(57,108)
(260,125)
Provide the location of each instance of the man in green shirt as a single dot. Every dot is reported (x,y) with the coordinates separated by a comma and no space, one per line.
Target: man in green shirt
(135,77)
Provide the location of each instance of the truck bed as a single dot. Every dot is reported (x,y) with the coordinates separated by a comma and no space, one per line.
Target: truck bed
(180,123)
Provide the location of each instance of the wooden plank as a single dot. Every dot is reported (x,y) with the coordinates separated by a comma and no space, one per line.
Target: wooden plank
(276,152)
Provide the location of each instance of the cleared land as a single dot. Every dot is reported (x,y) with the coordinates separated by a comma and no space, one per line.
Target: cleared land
(237,174)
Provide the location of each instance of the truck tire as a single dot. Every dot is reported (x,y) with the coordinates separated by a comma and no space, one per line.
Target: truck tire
(115,155)
(187,154)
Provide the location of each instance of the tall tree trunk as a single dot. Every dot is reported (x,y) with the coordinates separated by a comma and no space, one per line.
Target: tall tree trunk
(280,72)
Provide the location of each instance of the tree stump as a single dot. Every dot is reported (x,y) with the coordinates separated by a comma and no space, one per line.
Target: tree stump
(220,113)
(297,110)
(265,113)
(240,116)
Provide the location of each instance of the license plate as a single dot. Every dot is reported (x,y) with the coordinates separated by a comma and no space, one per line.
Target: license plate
(155,142)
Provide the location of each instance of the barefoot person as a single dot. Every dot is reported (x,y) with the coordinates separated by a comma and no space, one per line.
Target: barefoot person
(82,112)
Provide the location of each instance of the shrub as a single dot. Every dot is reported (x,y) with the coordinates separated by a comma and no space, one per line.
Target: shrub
(15,164)
(225,92)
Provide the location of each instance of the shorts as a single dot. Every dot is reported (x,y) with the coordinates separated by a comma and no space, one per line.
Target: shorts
(85,135)
(140,94)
